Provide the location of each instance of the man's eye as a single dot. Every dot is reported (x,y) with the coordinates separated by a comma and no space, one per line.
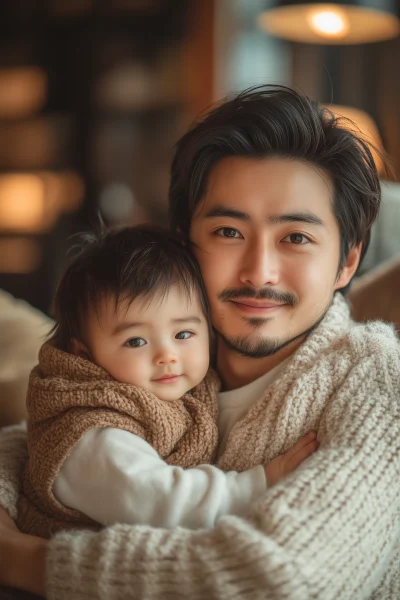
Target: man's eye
(297,238)
(183,335)
(228,232)
(135,342)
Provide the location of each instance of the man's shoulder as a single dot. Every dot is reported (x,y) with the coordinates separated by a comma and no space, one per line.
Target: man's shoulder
(374,339)
(362,351)
(368,356)
(366,379)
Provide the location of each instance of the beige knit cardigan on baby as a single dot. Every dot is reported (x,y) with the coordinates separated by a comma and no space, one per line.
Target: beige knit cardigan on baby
(329,531)
(69,395)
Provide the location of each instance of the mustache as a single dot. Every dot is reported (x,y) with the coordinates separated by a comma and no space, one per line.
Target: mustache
(264,293)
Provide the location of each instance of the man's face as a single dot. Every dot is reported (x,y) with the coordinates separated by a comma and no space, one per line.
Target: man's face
(268,245)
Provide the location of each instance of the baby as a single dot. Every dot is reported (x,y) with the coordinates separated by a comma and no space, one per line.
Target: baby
(123,406)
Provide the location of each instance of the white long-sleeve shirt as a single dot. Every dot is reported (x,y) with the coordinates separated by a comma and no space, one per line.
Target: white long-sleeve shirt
(114,476)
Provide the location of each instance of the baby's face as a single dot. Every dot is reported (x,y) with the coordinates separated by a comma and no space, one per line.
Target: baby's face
(161,345)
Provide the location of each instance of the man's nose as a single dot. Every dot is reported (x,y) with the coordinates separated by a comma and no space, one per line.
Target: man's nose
(260,266)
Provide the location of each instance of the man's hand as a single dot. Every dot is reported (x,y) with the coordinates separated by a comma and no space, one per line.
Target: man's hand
(6,521)
(22,558)
(8,533)
(284,464)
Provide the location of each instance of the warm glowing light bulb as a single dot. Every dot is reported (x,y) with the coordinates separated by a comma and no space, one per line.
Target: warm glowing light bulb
(329,23)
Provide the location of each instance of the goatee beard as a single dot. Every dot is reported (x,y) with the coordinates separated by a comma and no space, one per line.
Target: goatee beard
(264,347)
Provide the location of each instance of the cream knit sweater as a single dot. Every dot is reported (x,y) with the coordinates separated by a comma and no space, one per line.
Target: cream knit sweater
(329,531)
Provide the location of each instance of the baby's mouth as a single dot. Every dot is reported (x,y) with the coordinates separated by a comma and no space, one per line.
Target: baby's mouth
(167,378)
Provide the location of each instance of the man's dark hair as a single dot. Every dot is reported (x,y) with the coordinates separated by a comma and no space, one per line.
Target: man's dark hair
(276,121)
(124,264)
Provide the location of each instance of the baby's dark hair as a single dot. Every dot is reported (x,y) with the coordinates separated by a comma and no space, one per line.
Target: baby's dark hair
(124,264)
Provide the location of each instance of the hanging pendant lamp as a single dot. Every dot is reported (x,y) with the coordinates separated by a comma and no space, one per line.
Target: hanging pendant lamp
(360,123)
(337,22)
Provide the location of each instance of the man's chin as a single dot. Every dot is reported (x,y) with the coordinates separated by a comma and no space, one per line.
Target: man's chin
(253,336)
(255,345)
(261,343)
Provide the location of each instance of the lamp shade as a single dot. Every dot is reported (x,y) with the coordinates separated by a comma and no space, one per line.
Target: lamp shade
(363,126)
(347,22)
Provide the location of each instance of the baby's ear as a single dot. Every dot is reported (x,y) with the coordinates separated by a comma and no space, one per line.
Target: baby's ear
(79,349)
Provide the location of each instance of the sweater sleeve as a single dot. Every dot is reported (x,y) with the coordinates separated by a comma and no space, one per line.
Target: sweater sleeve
(13,455)
(330,530)
(114,476)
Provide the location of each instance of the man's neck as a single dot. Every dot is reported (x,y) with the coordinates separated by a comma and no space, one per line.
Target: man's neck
(236,371)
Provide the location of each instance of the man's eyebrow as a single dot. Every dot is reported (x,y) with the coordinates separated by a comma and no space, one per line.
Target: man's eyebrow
(296,217)
(225,211)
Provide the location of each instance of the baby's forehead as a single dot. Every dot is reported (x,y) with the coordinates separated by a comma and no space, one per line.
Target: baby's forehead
(174,303)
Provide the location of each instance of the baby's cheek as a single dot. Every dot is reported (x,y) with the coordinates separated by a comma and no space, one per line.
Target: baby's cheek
(199,363)
(122,369)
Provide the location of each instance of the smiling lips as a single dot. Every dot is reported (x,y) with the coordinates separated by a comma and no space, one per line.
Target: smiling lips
(256,306)
(167,378)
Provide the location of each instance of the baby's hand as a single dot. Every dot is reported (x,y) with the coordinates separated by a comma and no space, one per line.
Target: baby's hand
(284,464)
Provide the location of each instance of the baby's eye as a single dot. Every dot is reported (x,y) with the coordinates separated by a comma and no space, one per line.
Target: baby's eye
(228,232)
(297,238)
(183,335)
(135,342)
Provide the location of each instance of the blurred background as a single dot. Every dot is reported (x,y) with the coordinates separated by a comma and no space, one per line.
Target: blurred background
(95,93)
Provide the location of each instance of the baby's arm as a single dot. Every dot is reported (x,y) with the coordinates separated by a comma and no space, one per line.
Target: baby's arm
(114,476)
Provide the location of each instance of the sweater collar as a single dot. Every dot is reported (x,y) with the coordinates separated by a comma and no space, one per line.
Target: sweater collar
(335,323)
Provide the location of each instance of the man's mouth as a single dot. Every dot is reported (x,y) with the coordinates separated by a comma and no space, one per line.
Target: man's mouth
(256,306)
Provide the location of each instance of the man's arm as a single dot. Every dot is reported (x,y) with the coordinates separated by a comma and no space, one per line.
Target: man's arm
(22,557)
(13,456)
(328,531)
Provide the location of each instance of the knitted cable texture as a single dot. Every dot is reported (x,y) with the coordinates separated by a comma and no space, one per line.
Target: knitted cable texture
(329,531)
(68,395)
(13,457)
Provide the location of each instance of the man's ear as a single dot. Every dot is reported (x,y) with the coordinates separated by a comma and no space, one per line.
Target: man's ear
(79,349)
(349,267)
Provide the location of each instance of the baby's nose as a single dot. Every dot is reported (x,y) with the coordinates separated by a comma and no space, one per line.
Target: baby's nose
(166,356)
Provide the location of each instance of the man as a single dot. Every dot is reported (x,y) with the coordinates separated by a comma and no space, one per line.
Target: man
(277,201)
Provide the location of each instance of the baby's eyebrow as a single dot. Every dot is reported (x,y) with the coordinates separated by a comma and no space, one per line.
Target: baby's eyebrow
(188,319)
(126,325)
